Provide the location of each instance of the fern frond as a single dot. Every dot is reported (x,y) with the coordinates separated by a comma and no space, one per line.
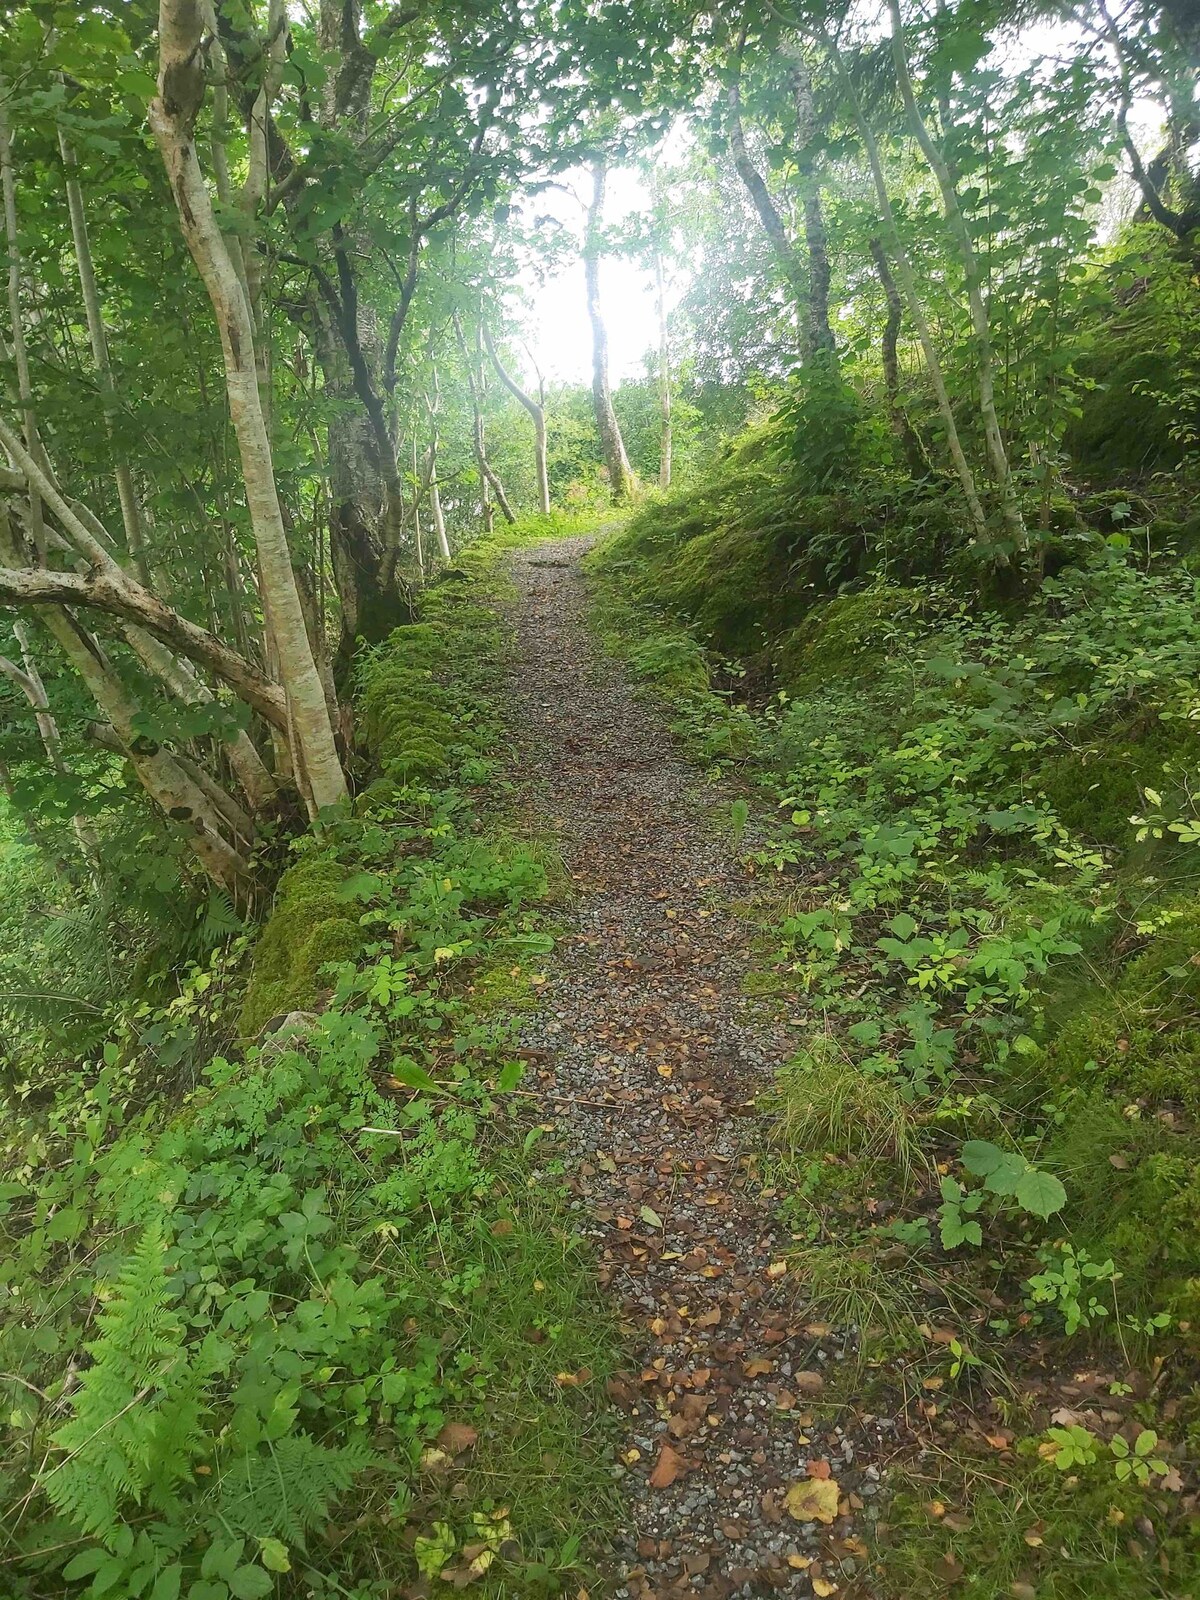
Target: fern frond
(137,1412)
(284,1487)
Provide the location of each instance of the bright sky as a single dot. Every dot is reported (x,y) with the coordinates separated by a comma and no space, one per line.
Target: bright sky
(556,322)
(557,327)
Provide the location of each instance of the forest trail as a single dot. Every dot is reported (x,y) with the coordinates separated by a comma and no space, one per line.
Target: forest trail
(649,1057)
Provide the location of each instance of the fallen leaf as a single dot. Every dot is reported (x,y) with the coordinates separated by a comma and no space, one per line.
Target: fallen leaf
(819,1469)
(456,1437)
(758,1367)
(667,1468)
(650,1217)
(809,1383)
(823,1587)
(815,1500)
(949,1568)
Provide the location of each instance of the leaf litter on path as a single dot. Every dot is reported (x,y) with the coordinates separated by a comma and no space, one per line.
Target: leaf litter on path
(646,1058)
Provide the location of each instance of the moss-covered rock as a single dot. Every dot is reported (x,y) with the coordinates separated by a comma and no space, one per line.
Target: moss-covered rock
(309,925)
(842,639)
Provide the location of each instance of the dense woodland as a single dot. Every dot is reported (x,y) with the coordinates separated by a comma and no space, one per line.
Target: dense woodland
(899,527)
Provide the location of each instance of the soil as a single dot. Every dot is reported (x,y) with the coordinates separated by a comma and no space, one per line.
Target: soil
(739,1477)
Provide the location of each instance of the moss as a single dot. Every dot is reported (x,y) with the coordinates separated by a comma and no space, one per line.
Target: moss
(1142,1034)
(842,639)
(1134,1187)
(308,926)
(1098,787)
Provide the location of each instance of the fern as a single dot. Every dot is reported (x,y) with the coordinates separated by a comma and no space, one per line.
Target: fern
(282,1489)
(138,1410)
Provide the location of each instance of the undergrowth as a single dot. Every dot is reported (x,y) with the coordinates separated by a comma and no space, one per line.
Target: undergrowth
(977,825)
(304,1314)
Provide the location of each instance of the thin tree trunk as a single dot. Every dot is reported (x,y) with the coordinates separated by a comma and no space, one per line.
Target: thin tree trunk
(537,412)
(172,119)
(820,333)
(1009,504)
(433,405)
(131,515)
(901,427)
(620,474)
(20,356)
(664,378)
(489,478)
(908,282)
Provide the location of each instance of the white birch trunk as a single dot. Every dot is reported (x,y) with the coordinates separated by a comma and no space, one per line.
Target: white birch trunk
(172,118)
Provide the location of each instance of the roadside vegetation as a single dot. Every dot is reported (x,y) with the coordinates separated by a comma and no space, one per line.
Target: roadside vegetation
(973,818)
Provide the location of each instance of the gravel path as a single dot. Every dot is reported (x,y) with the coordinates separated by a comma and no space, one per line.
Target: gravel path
(650,1057)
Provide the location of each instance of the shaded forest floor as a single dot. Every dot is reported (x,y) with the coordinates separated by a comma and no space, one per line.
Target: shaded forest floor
(648,1059)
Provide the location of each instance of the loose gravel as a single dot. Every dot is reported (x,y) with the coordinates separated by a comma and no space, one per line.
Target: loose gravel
(650,1060)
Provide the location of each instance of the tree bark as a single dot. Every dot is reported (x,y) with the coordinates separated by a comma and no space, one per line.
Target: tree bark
(665,434)
(1009,503)
(620,474)
(820,333)
(489,478)
(901,427)
(537,413)
(172,120)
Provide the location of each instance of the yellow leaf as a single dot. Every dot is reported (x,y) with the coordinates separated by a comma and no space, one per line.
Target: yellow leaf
(823,1587)
(814,1500)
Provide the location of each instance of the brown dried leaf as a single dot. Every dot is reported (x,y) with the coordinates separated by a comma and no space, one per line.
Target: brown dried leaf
(667,1468)
(456,1437)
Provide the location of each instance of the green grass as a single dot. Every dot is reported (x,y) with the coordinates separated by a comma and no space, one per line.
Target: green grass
(824,1103)
(998,1528)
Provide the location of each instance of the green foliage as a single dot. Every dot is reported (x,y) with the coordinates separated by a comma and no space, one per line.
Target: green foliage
(307,1265)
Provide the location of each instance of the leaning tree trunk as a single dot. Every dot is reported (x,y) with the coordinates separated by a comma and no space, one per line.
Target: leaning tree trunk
(1009,504)
(620,474)
(537,413)
(172,791)
(172,118)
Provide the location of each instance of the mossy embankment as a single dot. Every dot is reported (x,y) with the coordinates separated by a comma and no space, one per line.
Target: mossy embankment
(348,1339)
(978,832)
